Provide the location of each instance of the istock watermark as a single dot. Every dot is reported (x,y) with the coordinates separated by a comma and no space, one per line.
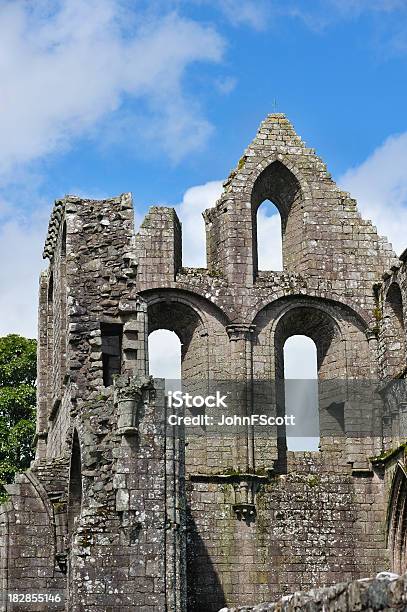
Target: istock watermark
(278,408)
(232,420)
(176,399)
(221,417)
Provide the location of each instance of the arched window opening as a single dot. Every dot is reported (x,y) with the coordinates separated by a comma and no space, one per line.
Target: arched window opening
(394,333)
(301,392)
(306,367)
(112,336)
(269,237)
(75,485)
(164,350)
(181,353)
(277,184)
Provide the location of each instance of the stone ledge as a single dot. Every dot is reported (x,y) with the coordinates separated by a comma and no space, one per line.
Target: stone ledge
(387,591)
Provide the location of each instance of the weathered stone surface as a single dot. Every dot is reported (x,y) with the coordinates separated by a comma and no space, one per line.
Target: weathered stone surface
(119,514)
(386,592)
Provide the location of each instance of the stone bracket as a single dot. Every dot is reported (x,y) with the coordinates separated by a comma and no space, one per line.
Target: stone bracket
(245,512)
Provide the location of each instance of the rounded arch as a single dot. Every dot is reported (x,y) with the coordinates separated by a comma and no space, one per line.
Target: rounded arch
(394,338)
(203,308)
(201,297)
(301,392)
(321,298)
(307,319)
(198,323)
(164,353)
(329,328)
(28,493)
(340,335)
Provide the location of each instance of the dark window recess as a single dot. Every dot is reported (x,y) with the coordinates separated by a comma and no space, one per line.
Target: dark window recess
(51,288)
(75,485)
(337,412)
(111,351)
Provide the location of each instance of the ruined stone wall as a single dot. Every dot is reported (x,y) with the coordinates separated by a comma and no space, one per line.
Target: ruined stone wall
(331,240)
(113,526)
(385,592)
(315,525)
(332,259)
(120,547)
(29,542)
(138,519)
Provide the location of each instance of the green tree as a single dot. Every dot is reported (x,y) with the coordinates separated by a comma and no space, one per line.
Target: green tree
(18,372)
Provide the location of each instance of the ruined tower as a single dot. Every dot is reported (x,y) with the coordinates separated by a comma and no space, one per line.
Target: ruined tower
(117,511)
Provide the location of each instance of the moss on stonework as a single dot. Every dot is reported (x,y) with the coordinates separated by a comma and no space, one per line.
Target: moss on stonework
(101,397)
(215,273)
(59,506)
(377,313)
(386,455)
(241,162)
(85,539)
(313,481)
(261,472)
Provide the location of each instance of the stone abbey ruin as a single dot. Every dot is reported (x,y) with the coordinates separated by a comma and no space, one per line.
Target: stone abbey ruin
(120,513)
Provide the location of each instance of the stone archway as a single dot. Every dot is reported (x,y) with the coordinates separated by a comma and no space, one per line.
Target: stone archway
(397,520)
(393,333)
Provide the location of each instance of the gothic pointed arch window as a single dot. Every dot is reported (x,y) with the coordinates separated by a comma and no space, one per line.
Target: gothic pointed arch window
(278,185)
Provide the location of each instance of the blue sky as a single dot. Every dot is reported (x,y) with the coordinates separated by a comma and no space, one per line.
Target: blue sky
(161,98)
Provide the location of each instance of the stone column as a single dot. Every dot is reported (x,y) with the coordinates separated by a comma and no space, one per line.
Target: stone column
(240,336)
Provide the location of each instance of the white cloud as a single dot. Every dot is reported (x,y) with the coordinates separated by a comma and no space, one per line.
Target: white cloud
(320,14)
(195,201)
(380,186)
(269,246)
(66,65)
(21,262)
(164,351)
(226,84)
(360,6)
(253,13)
